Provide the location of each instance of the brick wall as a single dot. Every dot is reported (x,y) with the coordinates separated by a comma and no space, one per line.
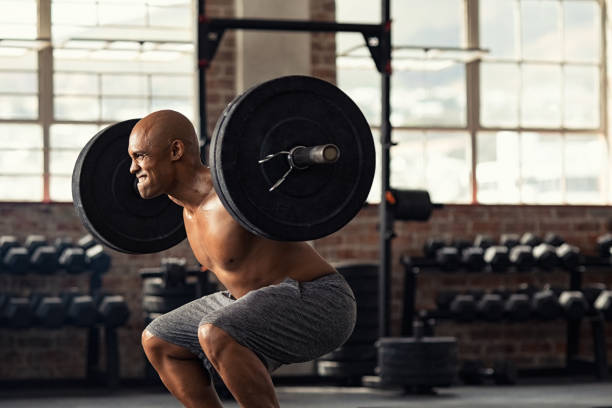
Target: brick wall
(323,45)
(532,344)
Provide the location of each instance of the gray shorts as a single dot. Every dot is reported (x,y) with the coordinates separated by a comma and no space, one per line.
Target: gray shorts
(289,322)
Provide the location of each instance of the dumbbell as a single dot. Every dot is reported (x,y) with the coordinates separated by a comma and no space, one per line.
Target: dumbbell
(461,244)
(553,239)
(71,258)
(447,258)
(604,243)
(431,246)
(87,241)
(17,312)
(509,240)
(98,261)
(545,305)
(530,239)
(472,258)
(80,309)
(112,309)
(43,259)
(474,372)
(490,307)
(34,241)
(483,241)
(49,311)
(463,307)
(6,242)
(568,255)
(497,258)
(574,304)
(521,257)
(545,256)
(17,260)
(517,307)
(173,272)
(444,298)
(603,304)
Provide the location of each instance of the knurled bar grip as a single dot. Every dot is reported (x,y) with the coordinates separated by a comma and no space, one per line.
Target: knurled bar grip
(302,157)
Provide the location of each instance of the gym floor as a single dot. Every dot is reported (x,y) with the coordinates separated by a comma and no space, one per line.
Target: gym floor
(563,393)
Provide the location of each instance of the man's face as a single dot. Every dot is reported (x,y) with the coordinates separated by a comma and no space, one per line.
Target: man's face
(150,164)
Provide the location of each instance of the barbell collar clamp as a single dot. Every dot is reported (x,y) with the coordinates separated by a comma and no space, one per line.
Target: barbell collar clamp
(302,157)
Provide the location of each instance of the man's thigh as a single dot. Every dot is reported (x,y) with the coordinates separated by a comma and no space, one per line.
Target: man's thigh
(290,322)
(180,326)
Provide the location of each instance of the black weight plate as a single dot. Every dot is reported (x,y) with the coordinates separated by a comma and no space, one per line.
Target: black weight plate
(108,203)
(156,287)
(279,115)
(158,304)
(345,368)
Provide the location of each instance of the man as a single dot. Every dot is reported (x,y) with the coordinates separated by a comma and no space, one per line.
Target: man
(283,303)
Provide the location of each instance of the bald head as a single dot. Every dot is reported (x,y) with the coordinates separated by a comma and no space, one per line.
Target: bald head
(159,129)
(165,153)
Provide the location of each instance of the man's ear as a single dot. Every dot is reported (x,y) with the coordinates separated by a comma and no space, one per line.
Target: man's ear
(177,149)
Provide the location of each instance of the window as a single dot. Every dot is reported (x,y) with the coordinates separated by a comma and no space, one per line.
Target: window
(538,87)
(540,92)
(112,60)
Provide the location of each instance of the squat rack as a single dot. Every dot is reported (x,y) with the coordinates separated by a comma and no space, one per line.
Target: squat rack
(378,41)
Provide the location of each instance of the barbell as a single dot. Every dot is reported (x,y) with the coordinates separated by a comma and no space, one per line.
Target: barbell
(291,159)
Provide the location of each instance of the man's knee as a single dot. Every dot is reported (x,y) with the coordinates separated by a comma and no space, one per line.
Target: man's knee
(213,341)
(157,349)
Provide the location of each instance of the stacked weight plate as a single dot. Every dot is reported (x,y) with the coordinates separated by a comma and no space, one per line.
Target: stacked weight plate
(357,357)
(417,362)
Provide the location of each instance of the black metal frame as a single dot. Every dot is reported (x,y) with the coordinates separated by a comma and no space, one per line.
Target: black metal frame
(378,40)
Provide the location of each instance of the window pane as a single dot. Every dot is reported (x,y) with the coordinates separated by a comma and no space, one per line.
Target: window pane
(363,87)
(71,136)
(122,14)
(541,96)
(170,16)
(73,13)
(498,28)
(75,84)
(18,107)
(18,82)
(430,23)
(18,19)
(581,97)
(499,91)
(20,136)
(21,188)
(124,108)
(429,97)
(60,188)
(172,85)
(62,161)
(367,12)
(21,162)
(182,105)
(76,108)
(585,180)
(408,160)
(541,30)
(124,85)
(541,168)
(448,164)
(582,30)
(497,169)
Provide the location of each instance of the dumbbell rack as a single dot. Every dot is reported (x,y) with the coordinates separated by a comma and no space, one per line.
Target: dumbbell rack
(573,365)
(94,373)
